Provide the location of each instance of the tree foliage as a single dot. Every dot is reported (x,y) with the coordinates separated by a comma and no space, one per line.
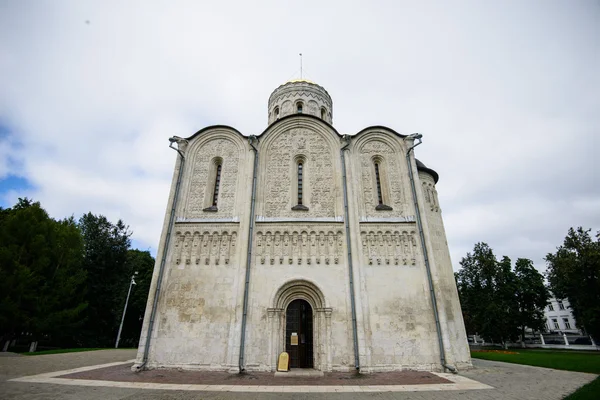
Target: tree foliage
(64,282)
(498,302)
(574,273)
(532,296)
(143,263)
(43,285)
(105,258)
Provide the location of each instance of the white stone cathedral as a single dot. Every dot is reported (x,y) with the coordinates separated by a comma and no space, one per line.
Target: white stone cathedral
(300,239)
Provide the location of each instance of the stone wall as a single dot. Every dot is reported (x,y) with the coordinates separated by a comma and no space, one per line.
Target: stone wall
(302,253)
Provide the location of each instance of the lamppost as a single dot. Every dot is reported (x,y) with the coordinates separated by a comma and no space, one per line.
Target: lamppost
(131,283)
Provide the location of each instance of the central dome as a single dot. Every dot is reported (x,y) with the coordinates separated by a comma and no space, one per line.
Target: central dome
(300,96)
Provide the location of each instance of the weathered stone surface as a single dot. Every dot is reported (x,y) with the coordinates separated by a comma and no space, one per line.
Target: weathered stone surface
(302,252)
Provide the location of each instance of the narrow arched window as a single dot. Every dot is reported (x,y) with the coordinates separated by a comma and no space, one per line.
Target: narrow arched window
(300,185)
(323,113)
(299,107)
(300,166)
(276,112)
(378,183)
(382,195)
(211,198)
(217,183)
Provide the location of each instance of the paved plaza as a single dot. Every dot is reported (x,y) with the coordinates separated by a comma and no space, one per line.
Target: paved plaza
(487,380)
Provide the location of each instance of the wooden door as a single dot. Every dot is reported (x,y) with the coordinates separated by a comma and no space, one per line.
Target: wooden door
(299,324)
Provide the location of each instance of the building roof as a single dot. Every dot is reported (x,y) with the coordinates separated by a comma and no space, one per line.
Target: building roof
(422,167)
(301,80)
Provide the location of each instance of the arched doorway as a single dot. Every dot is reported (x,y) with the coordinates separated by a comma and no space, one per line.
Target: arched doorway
(299,334)
(318,343)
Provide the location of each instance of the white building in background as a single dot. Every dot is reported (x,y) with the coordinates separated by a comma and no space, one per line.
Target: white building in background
(304,240)
(559,317)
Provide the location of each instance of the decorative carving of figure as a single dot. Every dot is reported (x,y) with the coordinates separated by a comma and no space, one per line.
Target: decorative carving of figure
(187,246)
(278,247)
(269,247)
(287,251)
(330,246)
(380,249)
(260,251)
(371,237)
(405,253)
(365,245)
(225,247)
(207,245)
(295,247)
(196,248)
(388,247)
(339,247)
(397,248)
(321,250)
(303,247)
(178,247)
(436,200)
(413,242)
(216,245)
(312,249)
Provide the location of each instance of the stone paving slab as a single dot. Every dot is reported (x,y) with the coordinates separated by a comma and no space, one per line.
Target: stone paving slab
(123,373)
(509,381)
(119,374)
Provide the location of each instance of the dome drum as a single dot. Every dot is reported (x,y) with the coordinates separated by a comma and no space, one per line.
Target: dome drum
(300,96)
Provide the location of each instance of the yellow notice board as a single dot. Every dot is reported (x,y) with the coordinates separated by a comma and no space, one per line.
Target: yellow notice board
(294,339)
(284,362)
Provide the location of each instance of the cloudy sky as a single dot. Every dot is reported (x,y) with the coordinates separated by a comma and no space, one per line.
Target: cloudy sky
(506,94)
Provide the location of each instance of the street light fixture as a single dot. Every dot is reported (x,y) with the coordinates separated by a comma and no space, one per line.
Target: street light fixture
(131,283)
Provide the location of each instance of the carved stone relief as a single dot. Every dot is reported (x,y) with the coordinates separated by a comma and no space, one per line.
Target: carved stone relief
(431,197)
(228,151)
(386,247)
(393,179)
(286,245)
(319,178)
(204,245)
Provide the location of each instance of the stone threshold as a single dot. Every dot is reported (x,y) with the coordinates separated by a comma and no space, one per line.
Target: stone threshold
(300,373)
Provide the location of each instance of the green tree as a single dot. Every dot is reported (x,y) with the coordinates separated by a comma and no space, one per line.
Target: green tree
(532,296)
(105,258)
(487,293)
(42,286)
(574,273)
(143,263)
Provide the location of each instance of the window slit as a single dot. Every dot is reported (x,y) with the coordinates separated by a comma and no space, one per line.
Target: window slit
(217,182)
(378,182)
(299,183)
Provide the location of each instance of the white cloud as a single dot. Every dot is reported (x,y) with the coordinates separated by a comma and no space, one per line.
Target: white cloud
(505,93)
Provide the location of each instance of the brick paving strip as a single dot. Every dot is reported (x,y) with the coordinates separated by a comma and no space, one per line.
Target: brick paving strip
(120,375)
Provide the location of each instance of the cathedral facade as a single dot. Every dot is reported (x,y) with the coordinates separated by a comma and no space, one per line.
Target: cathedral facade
(330,247)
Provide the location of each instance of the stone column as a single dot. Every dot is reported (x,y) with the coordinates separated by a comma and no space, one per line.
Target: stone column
(565,338)
(274,324)
(542,339)
(318,352)
(328,338)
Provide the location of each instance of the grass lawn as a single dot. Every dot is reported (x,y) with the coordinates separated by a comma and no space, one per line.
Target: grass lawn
(586,392)
(566,360)
(58,351)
